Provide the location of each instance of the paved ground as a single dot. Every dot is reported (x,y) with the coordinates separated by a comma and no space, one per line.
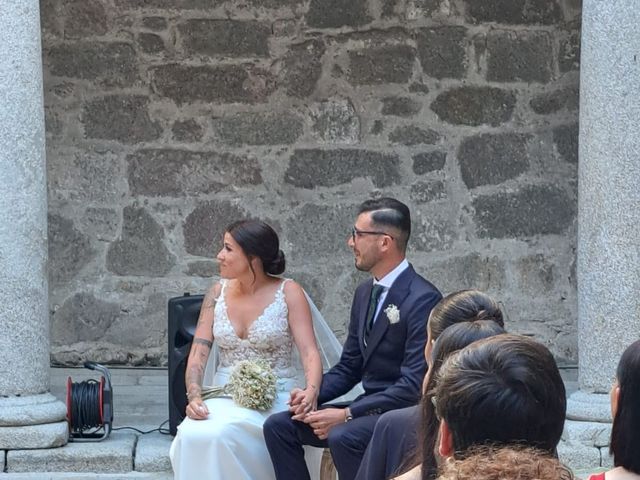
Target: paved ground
(140,401)
(140,394)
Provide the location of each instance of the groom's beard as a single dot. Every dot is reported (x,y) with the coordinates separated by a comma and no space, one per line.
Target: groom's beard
(367,255)
(364,264)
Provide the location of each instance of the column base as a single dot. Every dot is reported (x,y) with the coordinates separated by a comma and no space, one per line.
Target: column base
(589,407)
(33,421)
(47,435)
(587,432)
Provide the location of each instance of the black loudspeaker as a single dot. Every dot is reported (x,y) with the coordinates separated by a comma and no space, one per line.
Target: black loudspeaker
(183,319)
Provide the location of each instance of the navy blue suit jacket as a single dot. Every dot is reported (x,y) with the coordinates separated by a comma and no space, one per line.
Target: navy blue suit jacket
(391,366)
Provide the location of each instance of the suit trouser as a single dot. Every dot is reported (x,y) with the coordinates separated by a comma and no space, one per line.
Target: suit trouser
(285,437)
(392,445)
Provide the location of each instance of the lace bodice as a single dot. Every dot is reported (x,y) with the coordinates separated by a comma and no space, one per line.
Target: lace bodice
(268,337)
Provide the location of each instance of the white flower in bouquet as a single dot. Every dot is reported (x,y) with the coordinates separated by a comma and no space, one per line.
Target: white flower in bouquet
(252,384)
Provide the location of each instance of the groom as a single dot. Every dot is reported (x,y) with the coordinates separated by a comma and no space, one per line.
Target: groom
(384,350)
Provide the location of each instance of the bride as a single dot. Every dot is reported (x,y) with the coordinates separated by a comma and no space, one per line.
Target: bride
(252,315)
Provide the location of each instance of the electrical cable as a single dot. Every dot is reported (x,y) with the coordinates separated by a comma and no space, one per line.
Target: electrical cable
(164,431)
(90,406)
(85,405)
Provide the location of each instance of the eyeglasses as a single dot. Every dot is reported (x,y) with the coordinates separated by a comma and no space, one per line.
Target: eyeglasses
(355,232)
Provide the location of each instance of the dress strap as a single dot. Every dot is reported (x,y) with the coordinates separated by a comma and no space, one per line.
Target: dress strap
(223,285)
(281,287)
(280,297)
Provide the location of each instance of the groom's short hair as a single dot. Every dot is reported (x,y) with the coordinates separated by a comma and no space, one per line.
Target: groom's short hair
(389,212)
(502,390)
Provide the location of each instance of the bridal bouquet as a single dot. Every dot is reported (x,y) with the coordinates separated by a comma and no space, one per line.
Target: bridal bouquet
(252,384)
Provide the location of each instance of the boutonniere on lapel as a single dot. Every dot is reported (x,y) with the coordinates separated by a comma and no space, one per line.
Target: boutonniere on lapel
(393,314)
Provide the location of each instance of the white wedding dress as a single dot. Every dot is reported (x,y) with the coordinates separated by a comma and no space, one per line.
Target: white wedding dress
(229,444)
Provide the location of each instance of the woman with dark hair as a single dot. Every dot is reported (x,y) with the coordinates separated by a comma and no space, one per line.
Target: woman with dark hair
(396,433)
(625,408)
(502,390)
(258,316)
(478,307)
(464,305)
(452,339)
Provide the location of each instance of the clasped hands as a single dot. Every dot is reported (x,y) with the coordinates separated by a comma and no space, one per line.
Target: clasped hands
(303,404)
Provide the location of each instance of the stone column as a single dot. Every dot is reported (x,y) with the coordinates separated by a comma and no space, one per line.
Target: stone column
(30,417)
(608,207)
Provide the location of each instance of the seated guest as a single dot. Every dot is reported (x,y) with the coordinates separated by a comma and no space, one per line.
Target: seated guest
(489,463)
(504,390)
(625,408)
(452,339)
(395,433)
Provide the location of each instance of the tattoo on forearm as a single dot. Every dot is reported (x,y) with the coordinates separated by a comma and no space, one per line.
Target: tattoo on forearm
(193,380)
(200,348)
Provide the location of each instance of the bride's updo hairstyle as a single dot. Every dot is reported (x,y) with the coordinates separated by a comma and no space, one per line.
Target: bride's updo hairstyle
(259,240)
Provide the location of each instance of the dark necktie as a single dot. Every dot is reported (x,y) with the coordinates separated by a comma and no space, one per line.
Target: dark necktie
(376,291)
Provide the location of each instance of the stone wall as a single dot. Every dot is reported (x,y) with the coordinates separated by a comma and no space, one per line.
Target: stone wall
(167,119)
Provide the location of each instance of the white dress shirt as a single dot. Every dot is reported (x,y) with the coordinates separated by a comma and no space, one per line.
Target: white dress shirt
(387,282)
